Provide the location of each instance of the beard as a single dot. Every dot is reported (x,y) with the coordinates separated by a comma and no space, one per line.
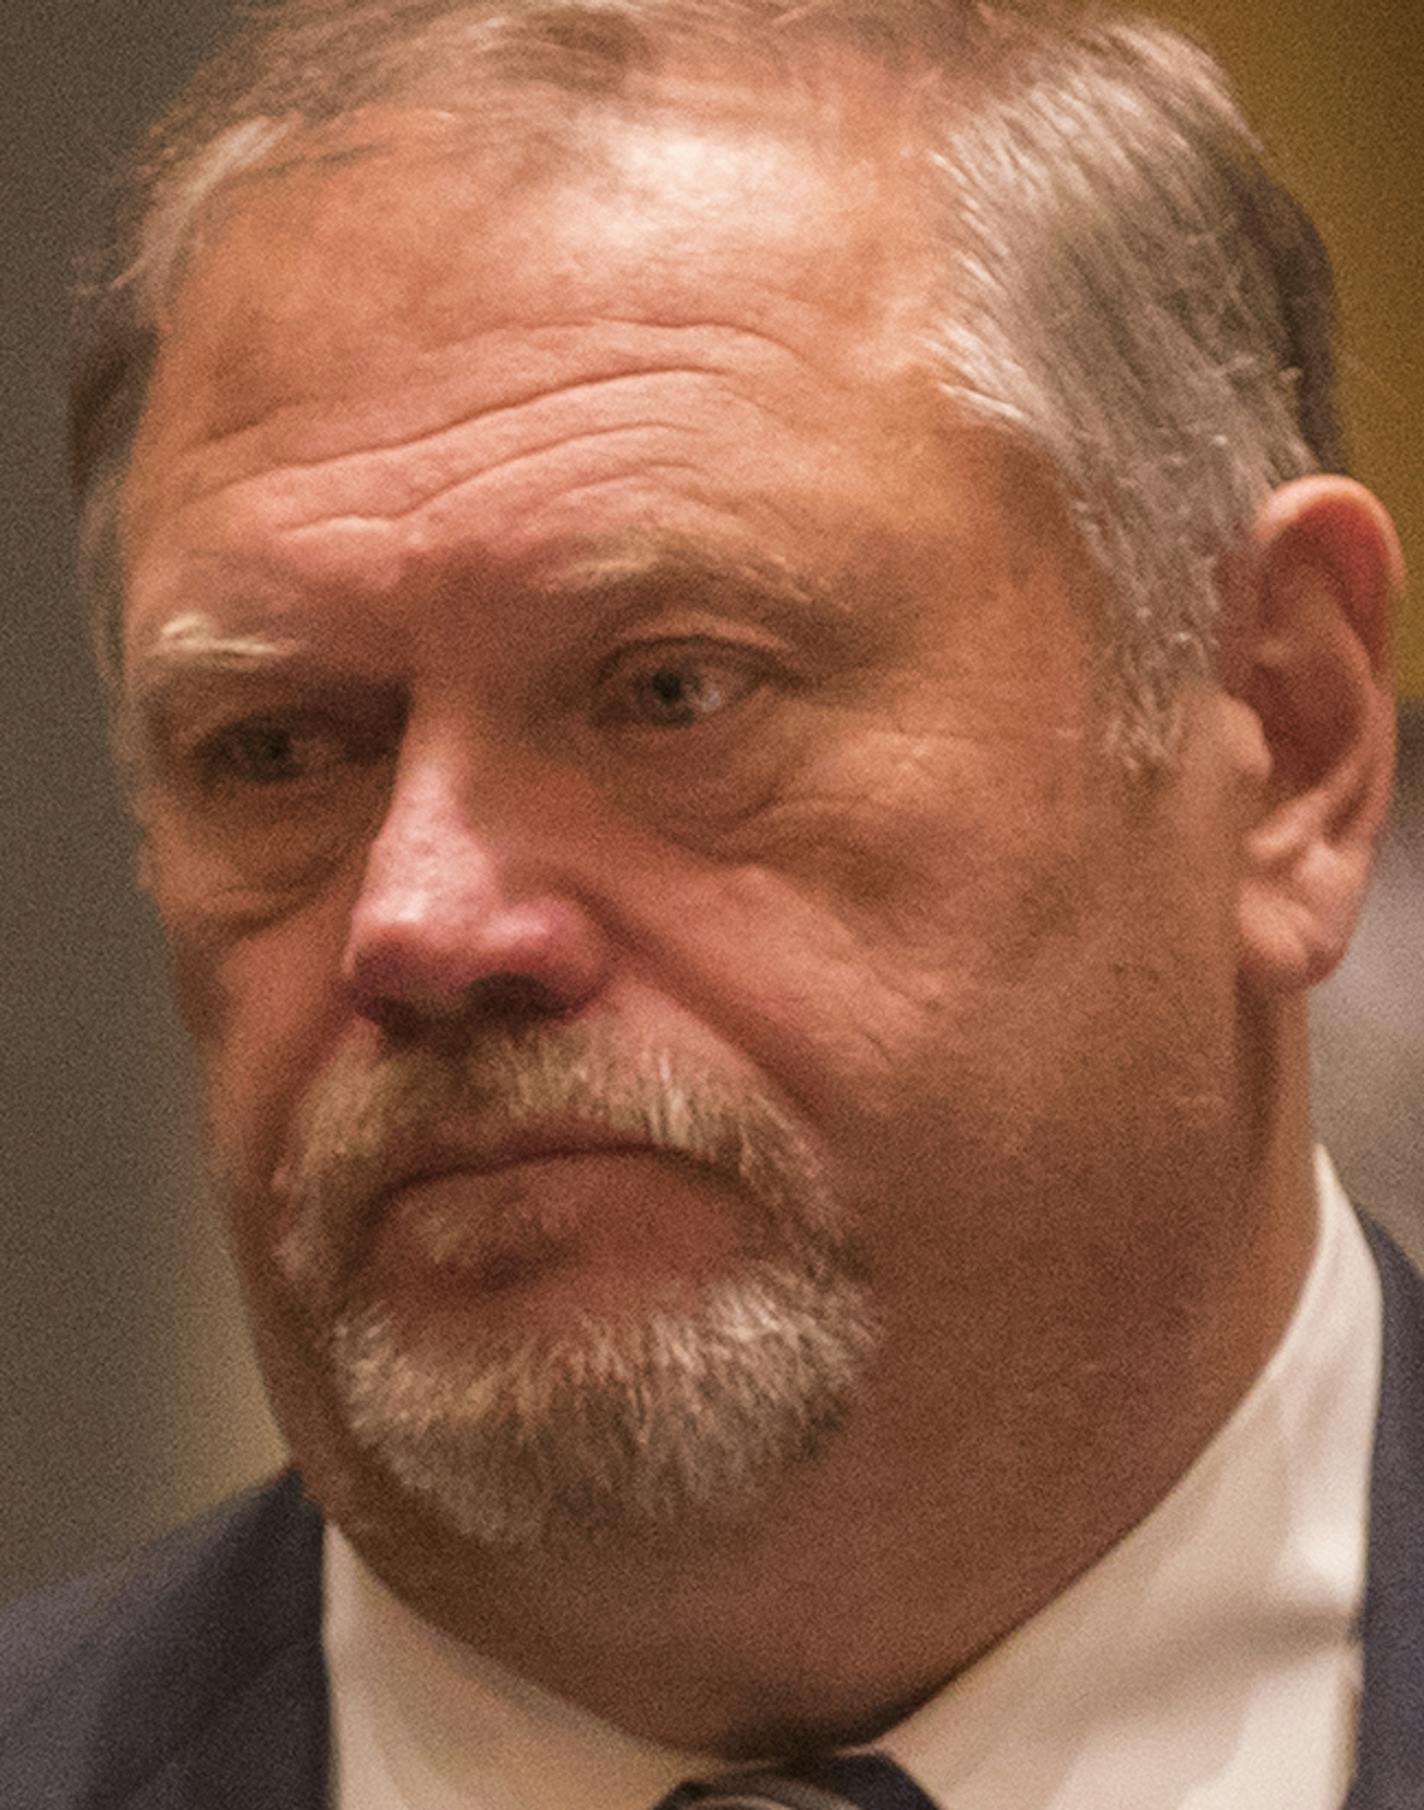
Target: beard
(663,1420)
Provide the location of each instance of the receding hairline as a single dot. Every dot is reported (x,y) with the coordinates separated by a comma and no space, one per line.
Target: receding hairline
(520,133)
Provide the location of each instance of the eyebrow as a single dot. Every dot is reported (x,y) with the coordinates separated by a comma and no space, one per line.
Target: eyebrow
(823,605)
(191,645)
(641,562)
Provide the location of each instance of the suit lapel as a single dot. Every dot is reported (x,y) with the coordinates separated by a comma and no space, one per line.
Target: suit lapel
(262,1739)
(1390,1752)
(265,1746)
(189,1677)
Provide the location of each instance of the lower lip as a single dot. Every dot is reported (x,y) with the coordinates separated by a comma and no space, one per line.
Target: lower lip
(604,1220)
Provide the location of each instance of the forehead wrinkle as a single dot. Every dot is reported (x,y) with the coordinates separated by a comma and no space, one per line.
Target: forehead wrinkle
(236,454)
(392,488)
(481,355)
(425,487)
(468,487)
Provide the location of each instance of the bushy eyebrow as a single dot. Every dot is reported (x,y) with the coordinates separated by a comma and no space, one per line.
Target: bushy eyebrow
(640,561)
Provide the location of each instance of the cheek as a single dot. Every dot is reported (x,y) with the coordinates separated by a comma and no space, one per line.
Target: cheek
(263,1009)
(934,852)
(906,896)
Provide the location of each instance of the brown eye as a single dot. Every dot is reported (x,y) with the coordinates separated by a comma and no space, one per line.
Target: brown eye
(267,796)
(282,795)
(676,687)
(267,752)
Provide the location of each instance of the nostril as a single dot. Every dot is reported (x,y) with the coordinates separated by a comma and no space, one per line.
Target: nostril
(532,959)
(515,996)
(508,999)
(399,1020)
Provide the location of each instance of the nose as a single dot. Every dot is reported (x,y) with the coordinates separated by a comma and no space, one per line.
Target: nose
(463,911)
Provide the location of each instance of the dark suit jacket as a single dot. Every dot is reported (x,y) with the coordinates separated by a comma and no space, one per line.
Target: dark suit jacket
(193,1678)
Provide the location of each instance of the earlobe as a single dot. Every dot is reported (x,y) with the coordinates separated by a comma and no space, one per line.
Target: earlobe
(1311,657)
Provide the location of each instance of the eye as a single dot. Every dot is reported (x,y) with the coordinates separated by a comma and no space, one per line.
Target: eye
(269,751)
(276,795)
(677,685)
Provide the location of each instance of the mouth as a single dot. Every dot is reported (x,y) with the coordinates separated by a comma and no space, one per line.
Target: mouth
(437,1160)
(595,1215)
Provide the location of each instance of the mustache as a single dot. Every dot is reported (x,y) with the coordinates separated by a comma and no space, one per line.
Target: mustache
(366,1126)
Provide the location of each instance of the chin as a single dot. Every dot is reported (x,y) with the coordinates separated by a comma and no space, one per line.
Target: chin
(600,1427)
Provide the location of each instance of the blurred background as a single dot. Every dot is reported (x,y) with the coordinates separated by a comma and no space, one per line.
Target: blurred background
(128,1399)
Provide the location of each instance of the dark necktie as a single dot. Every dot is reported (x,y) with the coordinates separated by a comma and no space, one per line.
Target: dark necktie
(847,1781)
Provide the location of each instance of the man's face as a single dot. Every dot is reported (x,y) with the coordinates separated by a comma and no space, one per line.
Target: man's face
(623,779)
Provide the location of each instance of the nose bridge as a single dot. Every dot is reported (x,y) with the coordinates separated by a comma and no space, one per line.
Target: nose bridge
(439,835)
(467,884)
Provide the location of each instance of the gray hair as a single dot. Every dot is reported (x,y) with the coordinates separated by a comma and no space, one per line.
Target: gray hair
(1125,289)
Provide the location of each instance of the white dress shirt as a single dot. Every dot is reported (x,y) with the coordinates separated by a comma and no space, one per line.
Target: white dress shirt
(1210,1661)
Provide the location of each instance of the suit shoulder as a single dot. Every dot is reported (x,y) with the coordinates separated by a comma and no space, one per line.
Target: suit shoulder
(129,1664)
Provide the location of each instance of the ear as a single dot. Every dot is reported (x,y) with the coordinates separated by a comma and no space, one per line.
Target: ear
(1309,653)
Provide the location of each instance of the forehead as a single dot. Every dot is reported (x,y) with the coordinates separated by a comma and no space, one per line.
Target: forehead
(407,227)
(376,296)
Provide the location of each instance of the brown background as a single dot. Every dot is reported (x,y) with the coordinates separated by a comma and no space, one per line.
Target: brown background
(127,1399)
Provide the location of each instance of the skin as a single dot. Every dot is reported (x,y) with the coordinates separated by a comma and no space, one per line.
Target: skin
(1037,1020)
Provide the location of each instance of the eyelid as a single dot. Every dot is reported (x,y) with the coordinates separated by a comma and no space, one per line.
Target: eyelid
(751,666)
(710,649)
(738,649)
(189,749)
(198,689)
